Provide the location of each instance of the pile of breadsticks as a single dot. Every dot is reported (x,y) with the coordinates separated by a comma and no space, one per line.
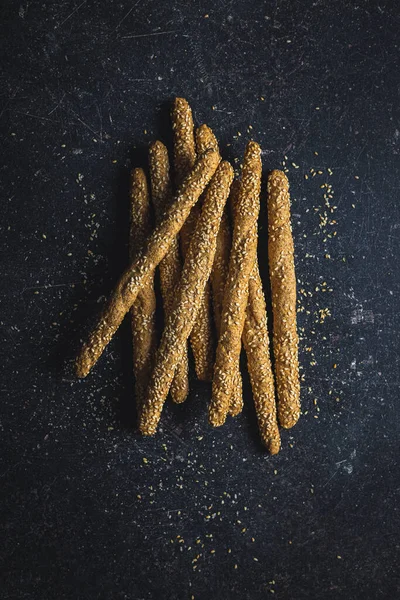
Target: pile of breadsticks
(204,244)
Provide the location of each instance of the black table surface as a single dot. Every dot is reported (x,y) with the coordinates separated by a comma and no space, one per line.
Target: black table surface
(89,508)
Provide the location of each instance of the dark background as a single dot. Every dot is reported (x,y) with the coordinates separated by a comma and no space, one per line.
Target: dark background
(89,508)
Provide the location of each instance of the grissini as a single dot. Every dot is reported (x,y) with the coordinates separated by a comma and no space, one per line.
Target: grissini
(255,339)
(241,263)
(219,275)
(256,343)
(170,267)
(154,250)
(195,274)
(283,292)
(184,142)
(201,338)
(143,309)
(205,138)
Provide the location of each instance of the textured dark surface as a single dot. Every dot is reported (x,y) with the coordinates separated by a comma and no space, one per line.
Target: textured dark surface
(91,510)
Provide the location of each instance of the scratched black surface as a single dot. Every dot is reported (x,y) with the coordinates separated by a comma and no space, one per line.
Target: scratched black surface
(91,510)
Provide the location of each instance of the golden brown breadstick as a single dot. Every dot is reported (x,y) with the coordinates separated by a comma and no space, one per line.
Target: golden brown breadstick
(153,252)
(220,268)
(241,263)
(218,279)
(143,309)
(256,342)
(170,267)
(205,139)
(201,338)
(184,144)
(196,272)
(283,291)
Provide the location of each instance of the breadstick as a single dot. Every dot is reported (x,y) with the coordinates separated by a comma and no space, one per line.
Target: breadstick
(184,145)
(205,138)
(236,401)
(220,268)
(196,272)
(201,338)
(283,291)
(170,266)
(153,252)
(256,342)
(241,263)
(143,309)
(218,279)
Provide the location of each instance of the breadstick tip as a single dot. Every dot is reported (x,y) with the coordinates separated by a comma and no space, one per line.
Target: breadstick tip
(180,106)
(157,146)
(226,169)
(180,102)
(205,132)
(204,128)
(81,369)
(288,419)
(253,148)
(138,175)
(279,178)
(274,445)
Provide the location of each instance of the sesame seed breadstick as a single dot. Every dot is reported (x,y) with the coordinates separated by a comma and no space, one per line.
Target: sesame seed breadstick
(205,138)
(241,263)
(218,279)
(170,267)
(283,292)
(256,342)
(255,339)
(220,268)
(154,250)
(201,338)
(236,401)
(184,144)
(143,309)
(196,272)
